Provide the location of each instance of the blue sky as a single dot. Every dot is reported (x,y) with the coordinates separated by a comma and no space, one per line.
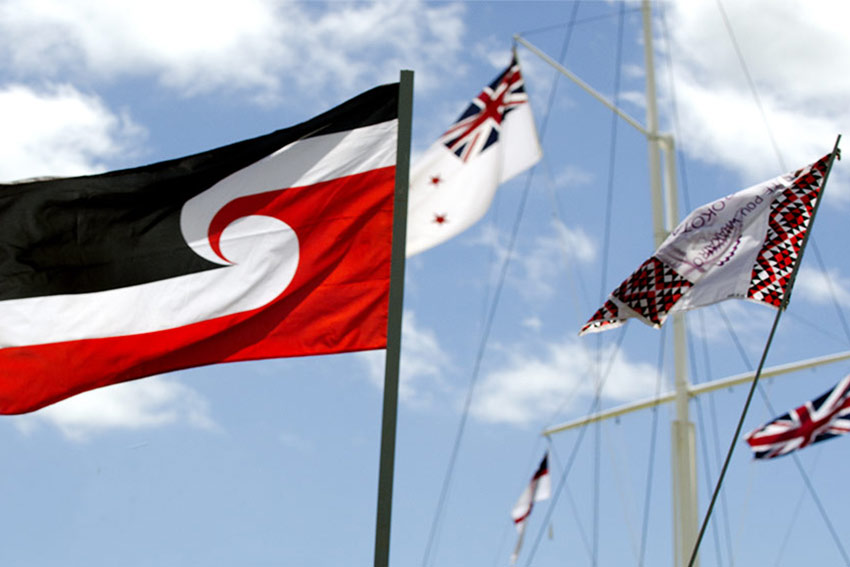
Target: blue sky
(275,462)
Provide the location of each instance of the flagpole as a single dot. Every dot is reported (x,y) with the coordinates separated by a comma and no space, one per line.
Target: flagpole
(396,299)
(786,298)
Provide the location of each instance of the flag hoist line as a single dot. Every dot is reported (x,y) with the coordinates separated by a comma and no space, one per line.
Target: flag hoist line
(396,299)
(786,298)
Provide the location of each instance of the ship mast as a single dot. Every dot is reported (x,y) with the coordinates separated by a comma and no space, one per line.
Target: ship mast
(665,216)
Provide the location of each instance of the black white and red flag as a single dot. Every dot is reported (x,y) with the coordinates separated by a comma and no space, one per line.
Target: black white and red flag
(818,420)
(540,488)
(270,247)
(742,246)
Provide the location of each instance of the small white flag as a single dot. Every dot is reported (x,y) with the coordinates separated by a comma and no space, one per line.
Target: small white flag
(742,246)
(540,488)
(453,183)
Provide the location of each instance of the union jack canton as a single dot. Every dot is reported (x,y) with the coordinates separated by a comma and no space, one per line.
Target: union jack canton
(478,127)
(823,418)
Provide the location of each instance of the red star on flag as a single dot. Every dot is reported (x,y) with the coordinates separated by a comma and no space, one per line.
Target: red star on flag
(440,218)
(436,180)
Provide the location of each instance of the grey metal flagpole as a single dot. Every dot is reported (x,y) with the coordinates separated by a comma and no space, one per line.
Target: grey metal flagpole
(393,356)
(782,307)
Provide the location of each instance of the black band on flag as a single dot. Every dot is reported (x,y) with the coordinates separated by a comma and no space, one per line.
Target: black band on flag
(99,232)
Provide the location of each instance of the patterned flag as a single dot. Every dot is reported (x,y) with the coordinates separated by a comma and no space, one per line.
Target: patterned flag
(452,185)
(540,488)
(823,418)
(741,246)
(269,247)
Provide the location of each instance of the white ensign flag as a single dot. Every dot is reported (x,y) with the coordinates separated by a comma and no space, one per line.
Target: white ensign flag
(453,183)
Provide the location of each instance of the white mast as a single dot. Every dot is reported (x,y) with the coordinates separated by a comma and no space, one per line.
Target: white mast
(682,444)
(665,217)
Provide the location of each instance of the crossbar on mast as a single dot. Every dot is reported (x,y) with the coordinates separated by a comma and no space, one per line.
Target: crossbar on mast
(693,391)
(584,86)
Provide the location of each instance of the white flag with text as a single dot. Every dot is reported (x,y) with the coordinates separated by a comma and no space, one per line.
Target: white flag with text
(742,246)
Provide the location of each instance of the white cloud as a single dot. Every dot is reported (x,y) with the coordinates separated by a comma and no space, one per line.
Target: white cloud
(532,387)
(819,287)
(533,322)
(572,176)
(140,404)
(58,131)
(790,51)
(536,269)
(424,363)
(748,322)
(256,46)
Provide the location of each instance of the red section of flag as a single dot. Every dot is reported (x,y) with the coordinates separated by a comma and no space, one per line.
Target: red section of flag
(336,302)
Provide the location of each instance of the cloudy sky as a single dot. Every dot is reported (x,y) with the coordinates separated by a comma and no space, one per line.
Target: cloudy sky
(274,462)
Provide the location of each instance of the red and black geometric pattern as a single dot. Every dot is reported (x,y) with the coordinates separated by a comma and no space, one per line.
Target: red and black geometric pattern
(608,314)
(652,290)
(790,214)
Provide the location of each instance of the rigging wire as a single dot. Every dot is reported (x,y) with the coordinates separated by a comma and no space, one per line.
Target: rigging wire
(441,502)
(831,289)
(681,163)
(685,190)
(751,84)
(718,455)
(652,443)
(755,383)
(709,483)
(606,252)
(832,294)
(618,450)
(577,289)
(581,531)
(795,457)
(802,498)
(587,20)
(594,407)
(703,437)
